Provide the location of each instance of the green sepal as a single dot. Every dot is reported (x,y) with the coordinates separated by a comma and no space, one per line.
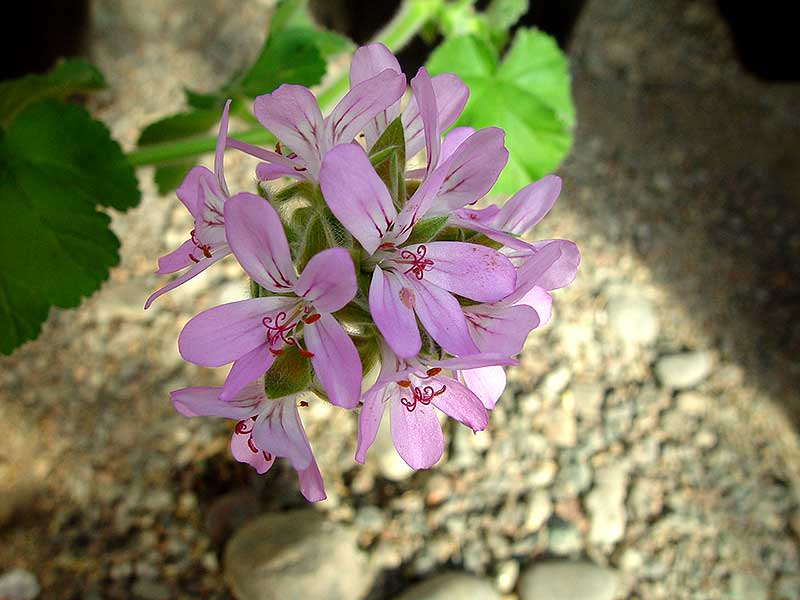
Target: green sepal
(289,374)
(368,351)
(388,157)
(427,229)
(314,237)
(479,238)
(353,314)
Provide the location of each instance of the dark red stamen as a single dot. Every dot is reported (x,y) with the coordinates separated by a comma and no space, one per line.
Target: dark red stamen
(305,353)
(278,148)
(312,319)
(386,246)
(421,396)
(279,330)
(433,371)
(303,403)
(193,259)
(300,169)
(404,383)
(275,352)
(419,264)
(242,426)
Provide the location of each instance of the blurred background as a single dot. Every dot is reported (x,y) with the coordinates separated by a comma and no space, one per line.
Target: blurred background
(646,446)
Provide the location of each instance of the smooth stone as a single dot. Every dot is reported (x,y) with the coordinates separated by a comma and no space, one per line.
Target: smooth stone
(632,319)
(745,585)
(297,554)
(684,370)
(18,584)
(451,586)
(568,580)
(606,506)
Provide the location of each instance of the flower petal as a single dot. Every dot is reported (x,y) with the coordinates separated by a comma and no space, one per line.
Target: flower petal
(356,195)
(291,113)
(473,361)
(528,206)
(190,274)
(540,301)
(391,303)
(177,259)
(244,450)
(311,484)
(361,104)
(245,369)
(225,333)
(470,270)
(368,61)
(190,189)
(258,241)
(501,329)
(205,402)
(472,170)
(280,432)
(416,434)
(560,273)
(459,403)
(328,280)
(336,362)
(369,419)
(274,165)
(426,102)
(219,152)
(442,318)
(487,383)
(451,95)
(452,140)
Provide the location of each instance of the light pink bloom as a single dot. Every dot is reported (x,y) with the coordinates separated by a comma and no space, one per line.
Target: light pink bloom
(203,193)
(412,388)
(251,333)
(265,429)
(292,114)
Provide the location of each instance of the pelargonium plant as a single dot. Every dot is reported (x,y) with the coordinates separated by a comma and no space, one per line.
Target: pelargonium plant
(370,259)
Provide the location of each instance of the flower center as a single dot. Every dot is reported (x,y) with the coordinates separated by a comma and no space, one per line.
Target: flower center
(246,428)
(421,396)
(281,328)
(204,248)
(417,261)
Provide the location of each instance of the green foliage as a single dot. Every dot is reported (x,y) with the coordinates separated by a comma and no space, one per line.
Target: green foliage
(289,374)
(57,165)
(388,156)
(294,52)
(67,78)
(427,229)
(527,94)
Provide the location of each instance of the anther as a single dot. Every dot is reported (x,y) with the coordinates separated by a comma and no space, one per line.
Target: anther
(275,352)
(404,383)
(312,319)
(305,353)
(303,403)
(433,371)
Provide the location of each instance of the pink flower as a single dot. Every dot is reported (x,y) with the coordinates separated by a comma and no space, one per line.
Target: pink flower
(412,388)
(291,113)
(203,193)
(265,429)
(251,333)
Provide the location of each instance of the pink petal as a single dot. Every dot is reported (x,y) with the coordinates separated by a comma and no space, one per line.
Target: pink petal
(189,190)
(362,103)
(458,403)
(311,484)
(369,420)
(291,113)
(244,450)
(258,241)
(225,333)
(356,195)
(219,151)
(245,369)
(416,434)
(540,301)
(368,61)
(440,314)
(417,206)
(501,329)
(177,259)
(280,432)
(451,95)
(391,302)
(426,101)
(452,140)
(205,402)
(336,362)
(275,165)
(487,383)
(328,281)
(268,172)
(470,270)
(529,205)
(473,361)
(560,273)
(472,169)
(191,273)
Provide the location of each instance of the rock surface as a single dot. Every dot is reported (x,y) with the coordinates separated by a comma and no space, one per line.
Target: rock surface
(685,370)
(568,581)
(449,586)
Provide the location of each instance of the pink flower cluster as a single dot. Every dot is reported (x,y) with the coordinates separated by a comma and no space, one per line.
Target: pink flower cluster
(448,312)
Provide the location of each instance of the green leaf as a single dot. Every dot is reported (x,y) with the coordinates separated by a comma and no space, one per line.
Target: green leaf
(527,94)
(289,374)
(294,14)
(501,15)
(68,77)
(315,238)
(388,156)
(57,164)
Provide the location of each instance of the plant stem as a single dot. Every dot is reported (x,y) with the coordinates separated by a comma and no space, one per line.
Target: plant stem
(413,14)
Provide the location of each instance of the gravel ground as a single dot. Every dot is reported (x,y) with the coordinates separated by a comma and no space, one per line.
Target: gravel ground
(645,448)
